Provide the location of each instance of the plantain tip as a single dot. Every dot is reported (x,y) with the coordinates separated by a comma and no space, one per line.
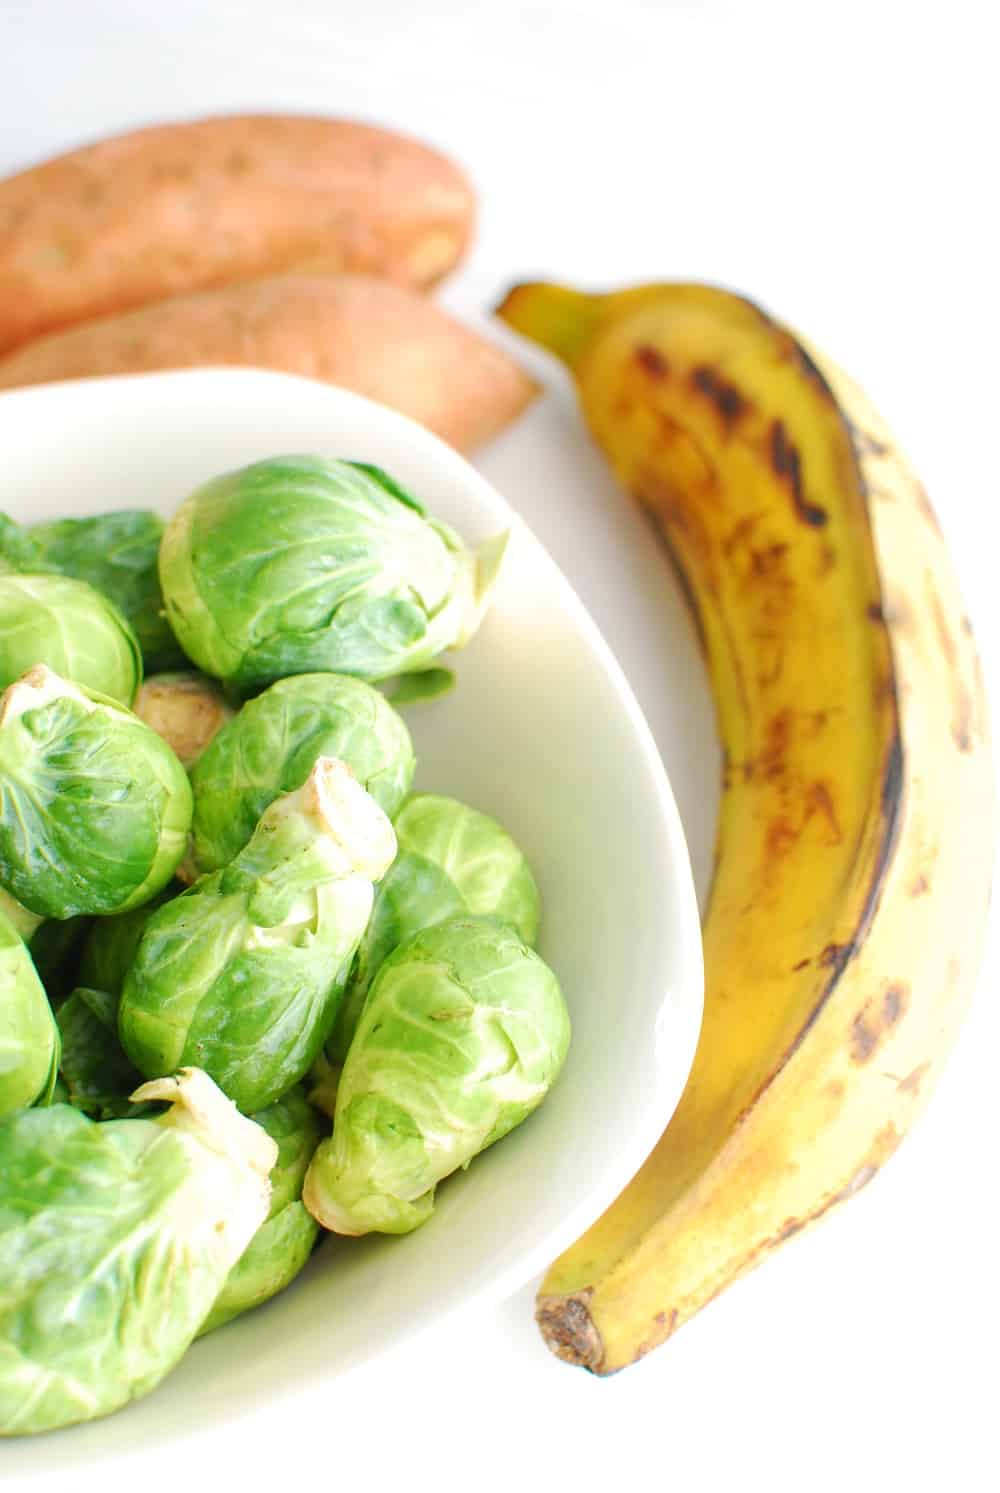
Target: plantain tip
(568,1330)
(556,317)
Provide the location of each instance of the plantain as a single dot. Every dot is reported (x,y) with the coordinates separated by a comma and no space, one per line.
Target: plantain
(854,846)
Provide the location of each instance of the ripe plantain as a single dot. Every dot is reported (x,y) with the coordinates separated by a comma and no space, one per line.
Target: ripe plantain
(854,846)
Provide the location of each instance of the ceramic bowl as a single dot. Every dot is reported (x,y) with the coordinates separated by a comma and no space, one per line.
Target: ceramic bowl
(543,732)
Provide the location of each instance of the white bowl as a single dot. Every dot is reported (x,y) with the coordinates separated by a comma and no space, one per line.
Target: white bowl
(543,732)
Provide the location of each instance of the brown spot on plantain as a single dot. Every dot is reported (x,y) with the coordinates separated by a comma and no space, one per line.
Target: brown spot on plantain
(877,1016)
(651,361)
(786,462)
(919,886)
(819,800)
(836,955)
(911,1083)
(962,709)
(729,403)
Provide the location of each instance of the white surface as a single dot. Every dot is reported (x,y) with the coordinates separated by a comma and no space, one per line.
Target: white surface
(541,722)
(840,164)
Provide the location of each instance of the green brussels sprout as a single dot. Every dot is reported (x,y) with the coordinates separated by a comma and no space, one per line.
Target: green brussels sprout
(94,808)
(451,862)
(56,947)
(270,748)
(464,1032)
(300,564)
(241,974)
(96,1075)
(111,943)
(66,624)
(115,1239)
(281,1246)
(186,708)
(116,553)
(29,1038)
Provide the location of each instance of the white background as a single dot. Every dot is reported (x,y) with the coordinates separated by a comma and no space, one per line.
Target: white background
(840,164)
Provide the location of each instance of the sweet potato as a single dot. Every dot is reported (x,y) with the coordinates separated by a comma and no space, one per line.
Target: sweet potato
(352,330)
(181,207)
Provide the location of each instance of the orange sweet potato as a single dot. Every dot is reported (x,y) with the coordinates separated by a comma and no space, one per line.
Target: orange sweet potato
(181,207)
(353,330)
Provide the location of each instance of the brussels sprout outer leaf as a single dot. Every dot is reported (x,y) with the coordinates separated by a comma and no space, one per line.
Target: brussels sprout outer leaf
(241,974)
(73,629)
(282,1245)
(29,1037)
(97,1076)
(114,1241)
(272,744)
(428,684)
(94,807)
(56,948)
(19,553)
(116,553)
(279,1250)
(24,922)
(464,1032)
(451,860)
(111,943)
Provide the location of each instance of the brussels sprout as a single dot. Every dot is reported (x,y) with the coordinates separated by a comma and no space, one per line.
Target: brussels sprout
(56,948)
(298,564)
(29,1038)
(66,624)
(282,1245)
(97,1077)
(94,808)
(187,709)
(452,861)
(115,1239)
(463,1034)
(111,943)
(272,744)
(242,972)
(117,554)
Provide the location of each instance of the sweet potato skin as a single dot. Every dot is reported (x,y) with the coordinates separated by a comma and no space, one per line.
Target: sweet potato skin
(355,331)
(181,207)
